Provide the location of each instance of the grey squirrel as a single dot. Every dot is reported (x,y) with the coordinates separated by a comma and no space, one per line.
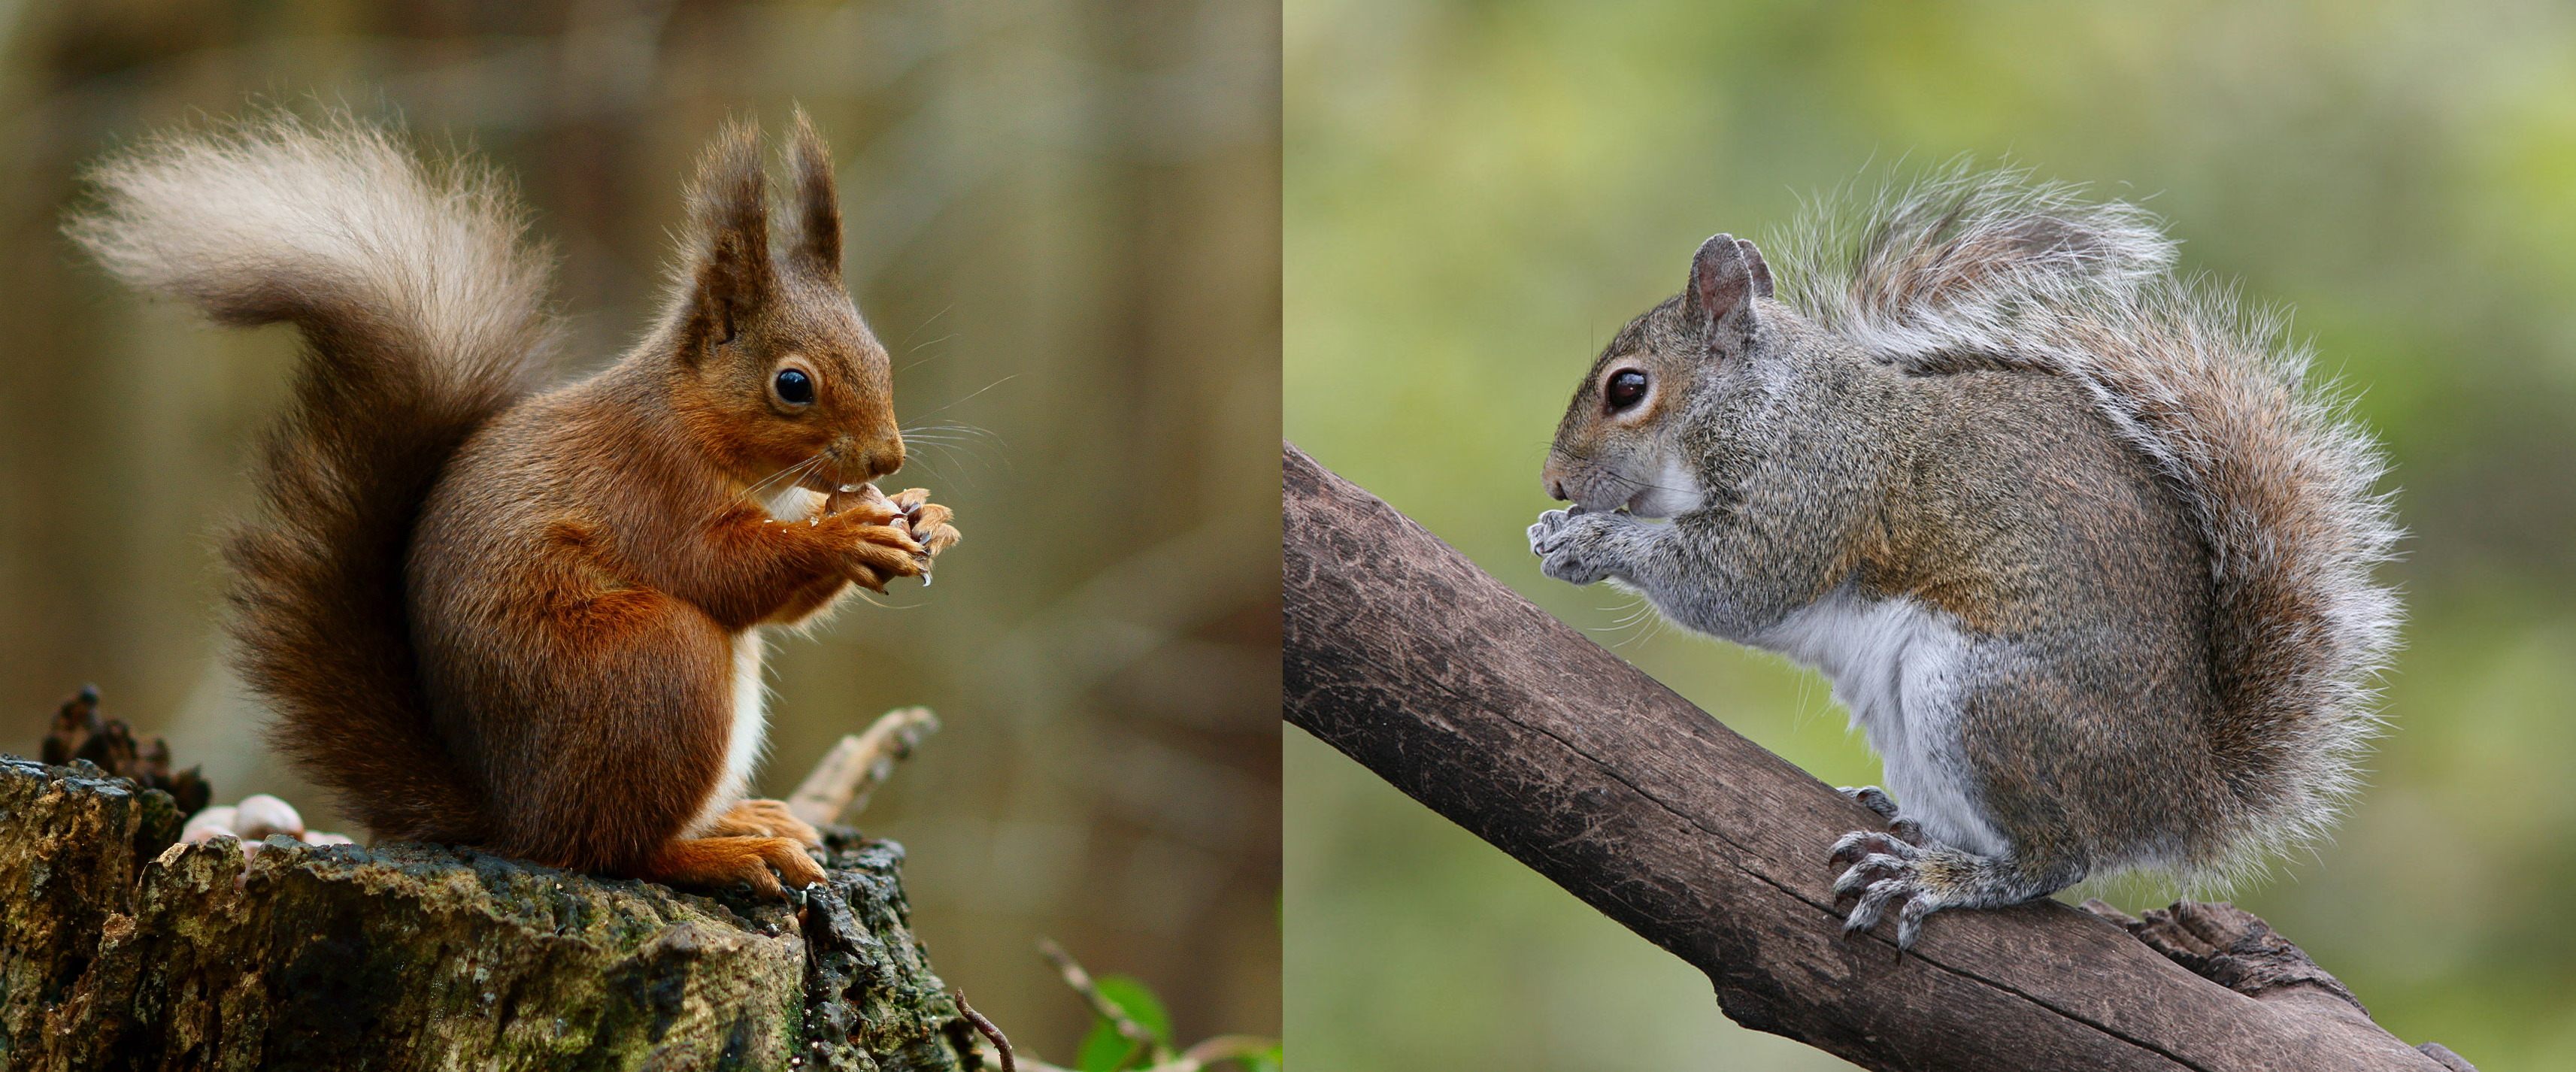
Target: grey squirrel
(2089,565)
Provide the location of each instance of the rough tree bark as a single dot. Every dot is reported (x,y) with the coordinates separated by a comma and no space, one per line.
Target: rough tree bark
(1406,657)
(122,950)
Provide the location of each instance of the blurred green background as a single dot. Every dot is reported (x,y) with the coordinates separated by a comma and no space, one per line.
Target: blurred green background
(1478,194)
(1064,222)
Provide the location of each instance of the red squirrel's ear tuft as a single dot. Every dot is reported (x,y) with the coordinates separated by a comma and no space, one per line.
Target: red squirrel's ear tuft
(1726,275)
(729,269)
(818,205)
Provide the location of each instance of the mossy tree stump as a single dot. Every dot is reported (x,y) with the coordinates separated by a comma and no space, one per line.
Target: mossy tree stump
(120,949)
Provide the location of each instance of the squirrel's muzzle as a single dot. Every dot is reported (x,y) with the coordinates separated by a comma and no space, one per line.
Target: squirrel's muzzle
(1551,477)
(880,460)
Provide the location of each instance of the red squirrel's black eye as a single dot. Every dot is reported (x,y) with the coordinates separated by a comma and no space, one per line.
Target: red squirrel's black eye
(794,387)
(1627,387)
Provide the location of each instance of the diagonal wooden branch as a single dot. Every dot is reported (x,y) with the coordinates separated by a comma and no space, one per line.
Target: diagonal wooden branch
(1406,657)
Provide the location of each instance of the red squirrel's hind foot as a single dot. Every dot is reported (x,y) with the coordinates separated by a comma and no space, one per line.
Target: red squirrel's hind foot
(711,862)
(765,818)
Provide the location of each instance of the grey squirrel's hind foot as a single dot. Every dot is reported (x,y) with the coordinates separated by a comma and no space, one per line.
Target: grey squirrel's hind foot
(1877,800)
(1922,878)
(1873,798)
(1887,870)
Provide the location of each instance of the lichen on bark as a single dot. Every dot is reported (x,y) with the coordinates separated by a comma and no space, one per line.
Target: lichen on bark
(123,950)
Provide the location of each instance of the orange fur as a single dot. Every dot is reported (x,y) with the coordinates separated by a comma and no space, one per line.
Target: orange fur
(765,818)
(513,618)
(723,861)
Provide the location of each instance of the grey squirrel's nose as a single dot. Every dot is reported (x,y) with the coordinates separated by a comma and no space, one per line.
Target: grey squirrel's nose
(1556,489)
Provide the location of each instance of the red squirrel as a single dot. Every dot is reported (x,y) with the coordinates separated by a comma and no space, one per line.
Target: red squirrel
(529,620)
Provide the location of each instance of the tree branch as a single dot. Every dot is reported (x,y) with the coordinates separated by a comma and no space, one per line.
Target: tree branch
(840,785)
(1406,657)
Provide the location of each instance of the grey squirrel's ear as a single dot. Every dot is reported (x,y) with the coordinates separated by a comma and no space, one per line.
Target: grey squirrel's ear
(818,202)
(1761,268)
(729,270)
(1726,274)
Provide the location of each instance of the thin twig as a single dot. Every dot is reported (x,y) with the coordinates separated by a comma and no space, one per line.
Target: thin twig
(1080,981)
(1226,1048)
(985,1028)
(841,783)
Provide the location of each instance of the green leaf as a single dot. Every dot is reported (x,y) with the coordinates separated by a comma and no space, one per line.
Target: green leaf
(1274,1059)
(1104,1049)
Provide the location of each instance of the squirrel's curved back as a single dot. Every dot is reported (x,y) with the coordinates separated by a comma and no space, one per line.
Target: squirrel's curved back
(423,316)
(1991,270)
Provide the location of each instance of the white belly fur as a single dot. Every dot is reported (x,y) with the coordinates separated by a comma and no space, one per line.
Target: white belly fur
(750,733)
(1895,665)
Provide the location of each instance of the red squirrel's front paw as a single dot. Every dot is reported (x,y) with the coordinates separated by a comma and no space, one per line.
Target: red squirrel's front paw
(930,526)
(927,520)
(873,554)
(888,537)
(863,505)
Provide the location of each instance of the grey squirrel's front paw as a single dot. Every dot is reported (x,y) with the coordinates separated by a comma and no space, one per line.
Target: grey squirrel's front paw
(1576,547)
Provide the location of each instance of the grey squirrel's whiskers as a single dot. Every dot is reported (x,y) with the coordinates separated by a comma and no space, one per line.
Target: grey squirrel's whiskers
(1642,485)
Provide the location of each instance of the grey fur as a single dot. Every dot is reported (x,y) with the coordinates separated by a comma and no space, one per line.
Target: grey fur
(2126,551)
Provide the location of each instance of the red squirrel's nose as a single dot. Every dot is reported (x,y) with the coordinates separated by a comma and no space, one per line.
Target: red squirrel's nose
(881,459)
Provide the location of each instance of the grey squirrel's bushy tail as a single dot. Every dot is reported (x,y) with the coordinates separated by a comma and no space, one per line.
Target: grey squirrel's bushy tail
(423,316)
(1969,270)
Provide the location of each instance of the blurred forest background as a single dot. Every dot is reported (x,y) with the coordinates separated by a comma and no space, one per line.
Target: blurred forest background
(1478,194)
(1064,223)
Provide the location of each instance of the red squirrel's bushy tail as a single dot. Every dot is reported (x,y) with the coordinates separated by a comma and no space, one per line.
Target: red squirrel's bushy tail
(1970,270)
(423,315)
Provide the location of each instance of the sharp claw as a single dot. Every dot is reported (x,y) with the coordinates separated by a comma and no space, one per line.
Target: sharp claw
(1876,865)
(1861,843)
(1873,798)
(1885,871)
(1873,904)
(1909,921)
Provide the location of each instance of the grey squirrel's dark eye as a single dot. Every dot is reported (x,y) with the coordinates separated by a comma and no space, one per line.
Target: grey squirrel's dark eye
(794,387)
(1627,388)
